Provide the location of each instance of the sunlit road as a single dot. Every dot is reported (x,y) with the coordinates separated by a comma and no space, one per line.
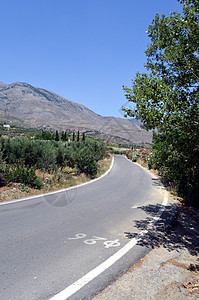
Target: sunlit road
(48,243)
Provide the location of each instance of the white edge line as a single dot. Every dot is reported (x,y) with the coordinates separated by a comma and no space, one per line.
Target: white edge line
(73,288)
(152,175)
(76,286)
(63,190)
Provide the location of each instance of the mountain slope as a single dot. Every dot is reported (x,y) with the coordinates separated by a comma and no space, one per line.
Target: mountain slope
(23,104)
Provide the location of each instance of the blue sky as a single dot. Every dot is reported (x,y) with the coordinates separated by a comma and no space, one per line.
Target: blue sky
(83,50)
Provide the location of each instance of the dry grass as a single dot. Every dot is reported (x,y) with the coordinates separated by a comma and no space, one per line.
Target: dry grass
(120,149)
(170,189)
(62,179)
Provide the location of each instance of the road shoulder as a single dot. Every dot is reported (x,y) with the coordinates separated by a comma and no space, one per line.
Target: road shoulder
(169,271)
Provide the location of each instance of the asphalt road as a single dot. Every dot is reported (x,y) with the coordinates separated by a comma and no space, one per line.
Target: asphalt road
(50,242)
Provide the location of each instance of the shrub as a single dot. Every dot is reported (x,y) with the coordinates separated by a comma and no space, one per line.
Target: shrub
(84,156)
(142,153)
(86,162)
(49,155)
(38,183)
(177,164)
(20,173)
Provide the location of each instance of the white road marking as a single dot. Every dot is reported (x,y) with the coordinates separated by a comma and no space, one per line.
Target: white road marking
(135,206)
(114,243)
(73,288)
(78,236)
(76,286)
(93,241)
(60,191)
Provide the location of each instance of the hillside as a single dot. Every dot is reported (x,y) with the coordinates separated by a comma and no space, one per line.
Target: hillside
(25,105)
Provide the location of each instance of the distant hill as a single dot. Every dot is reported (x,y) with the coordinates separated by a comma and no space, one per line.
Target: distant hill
(25,105)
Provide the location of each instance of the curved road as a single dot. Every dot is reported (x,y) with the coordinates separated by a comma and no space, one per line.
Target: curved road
(52,241)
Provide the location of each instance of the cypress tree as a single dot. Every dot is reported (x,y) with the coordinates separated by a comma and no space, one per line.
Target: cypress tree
(56,136)
(63,136)
(78,136)
(73,135)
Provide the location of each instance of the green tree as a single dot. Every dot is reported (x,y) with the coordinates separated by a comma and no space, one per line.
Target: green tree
(73,138)
(78,136)
(45,135)
(166,97)
(63,136)
(83,137)
(60,155)
(47,158)
(56,136)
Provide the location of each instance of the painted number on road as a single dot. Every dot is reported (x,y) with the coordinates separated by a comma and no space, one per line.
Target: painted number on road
(78,236)
(94,239)
(114,243)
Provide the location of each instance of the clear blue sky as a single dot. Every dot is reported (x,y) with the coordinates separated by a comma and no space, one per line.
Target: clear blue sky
(83,50)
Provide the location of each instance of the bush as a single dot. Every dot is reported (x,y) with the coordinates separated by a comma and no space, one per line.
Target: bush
(84,156)
(142,153)
(86,162)
(48,156)
(38,183)
(20,173)
(177,165)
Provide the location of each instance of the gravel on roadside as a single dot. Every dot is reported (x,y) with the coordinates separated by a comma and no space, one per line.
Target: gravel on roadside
(170,271)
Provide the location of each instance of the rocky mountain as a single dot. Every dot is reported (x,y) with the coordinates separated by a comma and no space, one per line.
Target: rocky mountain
(25,105)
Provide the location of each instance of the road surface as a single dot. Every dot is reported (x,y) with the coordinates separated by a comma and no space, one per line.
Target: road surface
(50,242)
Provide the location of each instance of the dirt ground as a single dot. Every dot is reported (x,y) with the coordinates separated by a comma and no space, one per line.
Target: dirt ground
(51,182)
(170,271)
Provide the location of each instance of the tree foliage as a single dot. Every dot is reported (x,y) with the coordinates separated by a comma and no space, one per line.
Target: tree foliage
(73,137)
(49,155)
(84,155)
(78,136)
(166,97)
(57,136)
(45,135)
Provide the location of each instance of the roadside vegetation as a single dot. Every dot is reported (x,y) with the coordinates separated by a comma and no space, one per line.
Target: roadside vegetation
(47,162)
(166,99)
(141,156)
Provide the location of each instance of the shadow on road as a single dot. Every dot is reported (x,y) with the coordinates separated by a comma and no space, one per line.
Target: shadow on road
(175,229)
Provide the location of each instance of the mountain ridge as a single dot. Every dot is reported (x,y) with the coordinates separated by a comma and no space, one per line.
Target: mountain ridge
(26,105)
